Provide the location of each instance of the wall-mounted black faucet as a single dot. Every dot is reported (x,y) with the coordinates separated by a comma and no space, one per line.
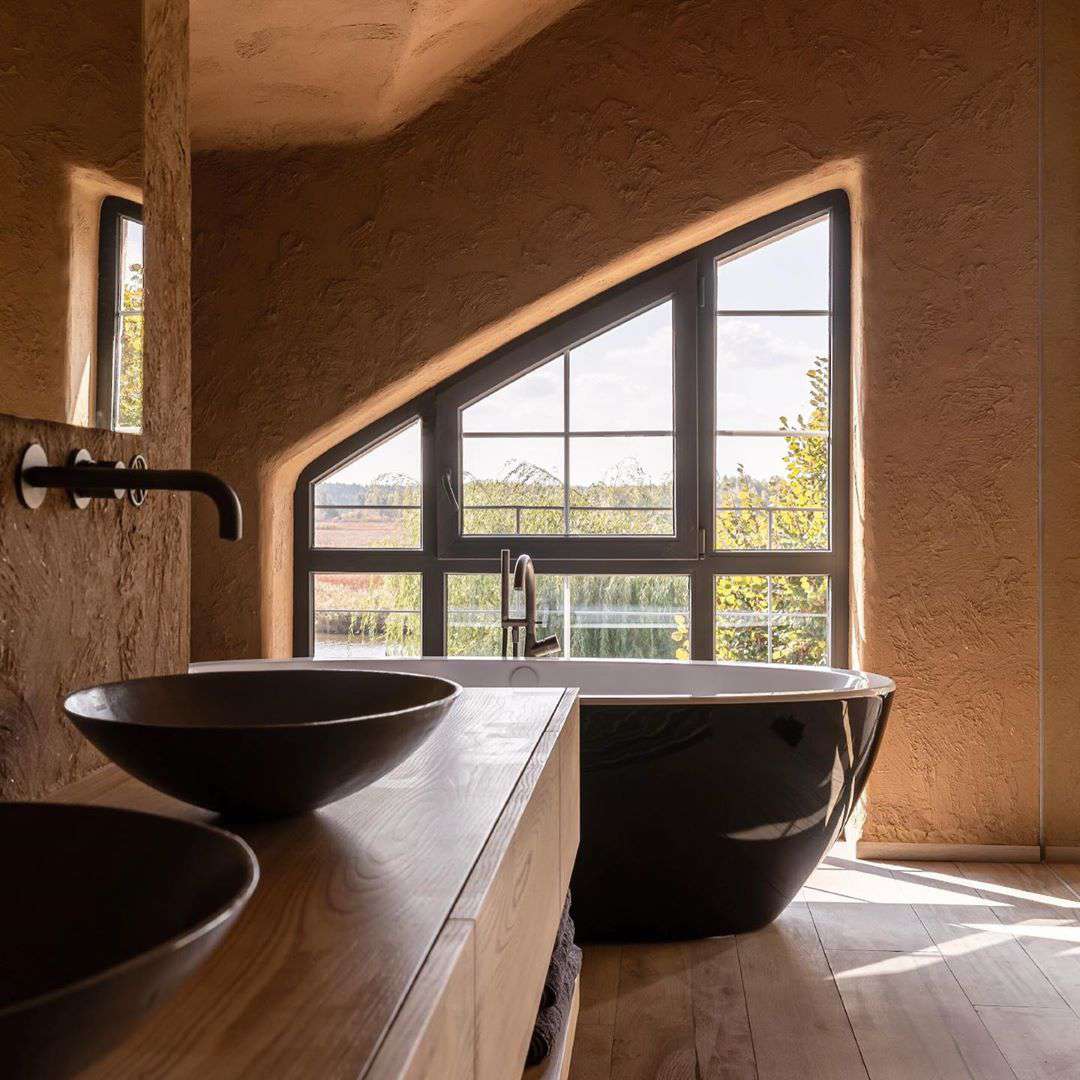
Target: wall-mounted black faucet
(86,479)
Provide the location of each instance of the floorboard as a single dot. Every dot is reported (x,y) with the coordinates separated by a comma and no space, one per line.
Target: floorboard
(880,971)
(1039,1044)
(988,962)
(722,1039)
(797,1019)
(856,908)
(912,1019)
(654,1026)
(591,1057)
(1041,913)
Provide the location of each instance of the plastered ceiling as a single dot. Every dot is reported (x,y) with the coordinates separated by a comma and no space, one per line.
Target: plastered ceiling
(293,72)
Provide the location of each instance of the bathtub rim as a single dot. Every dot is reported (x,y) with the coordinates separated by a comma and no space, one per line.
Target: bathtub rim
(874,685)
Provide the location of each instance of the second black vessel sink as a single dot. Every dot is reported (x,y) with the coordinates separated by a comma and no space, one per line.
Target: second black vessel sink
(106,913)
(262,743)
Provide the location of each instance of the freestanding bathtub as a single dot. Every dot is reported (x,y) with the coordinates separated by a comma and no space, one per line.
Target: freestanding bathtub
(709,791)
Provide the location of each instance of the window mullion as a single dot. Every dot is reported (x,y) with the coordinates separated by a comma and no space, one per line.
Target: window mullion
(566,443)
(433,612)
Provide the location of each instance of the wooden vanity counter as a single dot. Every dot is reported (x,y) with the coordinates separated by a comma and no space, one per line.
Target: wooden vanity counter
(402,932)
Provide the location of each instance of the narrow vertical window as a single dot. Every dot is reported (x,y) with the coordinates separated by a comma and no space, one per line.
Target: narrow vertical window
(772,394)
(119,384)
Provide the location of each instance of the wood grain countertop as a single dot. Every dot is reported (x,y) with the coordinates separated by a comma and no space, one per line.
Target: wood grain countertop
(350,900)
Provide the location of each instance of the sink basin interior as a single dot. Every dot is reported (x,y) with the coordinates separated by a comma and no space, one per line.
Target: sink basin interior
(257,698)
(90,888)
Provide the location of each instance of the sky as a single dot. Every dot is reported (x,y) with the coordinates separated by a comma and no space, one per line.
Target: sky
(621,380)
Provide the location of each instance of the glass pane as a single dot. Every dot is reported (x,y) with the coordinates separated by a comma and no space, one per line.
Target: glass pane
(633,616)
(472,612)
(385,482)
(800,639)
(512,521)
(508,475)
(610,477)
(772,373)
(787,273)
(622,379)
(622,522)
(800,594)
(532,402)
(742,618)
(362,615)
(779,619)
(359,527)
(128,347)
(772,492)
(129,370)
(131,264)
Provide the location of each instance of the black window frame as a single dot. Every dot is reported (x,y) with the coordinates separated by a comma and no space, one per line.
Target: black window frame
(690,281)
(114,211)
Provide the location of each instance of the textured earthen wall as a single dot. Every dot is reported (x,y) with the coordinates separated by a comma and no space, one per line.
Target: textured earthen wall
(1061,417)
(70,108)
(334,283)
(104,593)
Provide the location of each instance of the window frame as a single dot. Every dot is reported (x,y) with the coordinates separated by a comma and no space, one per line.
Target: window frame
(677,283)
(690,281)
(114,210)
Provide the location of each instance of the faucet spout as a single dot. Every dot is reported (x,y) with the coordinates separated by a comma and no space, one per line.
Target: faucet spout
(524,580)
(105,480)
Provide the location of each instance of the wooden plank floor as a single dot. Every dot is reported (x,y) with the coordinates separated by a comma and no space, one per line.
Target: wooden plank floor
(878,971)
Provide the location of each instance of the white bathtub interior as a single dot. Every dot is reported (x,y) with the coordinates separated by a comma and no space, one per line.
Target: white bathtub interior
(604,680)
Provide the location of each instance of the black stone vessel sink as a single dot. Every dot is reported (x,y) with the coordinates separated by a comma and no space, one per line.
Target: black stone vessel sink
(105,913)
(259,744)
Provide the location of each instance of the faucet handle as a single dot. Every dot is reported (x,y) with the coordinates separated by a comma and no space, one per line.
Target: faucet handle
(546,646)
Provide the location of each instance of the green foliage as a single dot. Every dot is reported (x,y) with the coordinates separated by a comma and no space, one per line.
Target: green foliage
(792,608)
(129,403)
(365,611)
(743,502)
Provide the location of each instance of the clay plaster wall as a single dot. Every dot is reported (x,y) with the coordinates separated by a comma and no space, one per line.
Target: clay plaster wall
(1061,421)
(104,593)
(70,125)
(333,283)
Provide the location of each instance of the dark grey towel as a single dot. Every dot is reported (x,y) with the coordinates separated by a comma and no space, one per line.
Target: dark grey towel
(564,939)
(558,990)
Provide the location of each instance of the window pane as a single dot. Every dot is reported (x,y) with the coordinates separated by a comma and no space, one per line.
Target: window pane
(374,500)
(612,479)
(131,264)
(643,616)
(350,527)
(742,618)
(633,616)
(473,612)
(788,273)
(772,373)
(128,355)
(779,619)
(532,402)
(622,379)
(772,493)
(364,615)
(506,476)
(129,373)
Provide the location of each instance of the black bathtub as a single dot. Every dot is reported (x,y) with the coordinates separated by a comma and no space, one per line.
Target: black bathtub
(709,792)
